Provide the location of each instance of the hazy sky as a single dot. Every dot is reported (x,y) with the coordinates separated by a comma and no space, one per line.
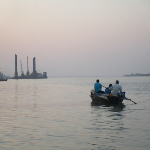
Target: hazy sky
(76,37)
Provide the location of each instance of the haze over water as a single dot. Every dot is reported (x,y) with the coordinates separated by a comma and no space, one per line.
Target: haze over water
(56,113)
(75,37)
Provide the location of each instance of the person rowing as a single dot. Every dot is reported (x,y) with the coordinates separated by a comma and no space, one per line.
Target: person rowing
(107,90)
(98,87)
(116,89)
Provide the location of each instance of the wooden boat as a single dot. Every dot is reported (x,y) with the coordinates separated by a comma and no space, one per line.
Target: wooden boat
(106,98)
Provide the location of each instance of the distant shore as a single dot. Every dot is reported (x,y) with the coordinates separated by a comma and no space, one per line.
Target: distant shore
(138,74)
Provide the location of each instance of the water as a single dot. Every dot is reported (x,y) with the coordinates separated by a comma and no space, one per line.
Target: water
(57,113)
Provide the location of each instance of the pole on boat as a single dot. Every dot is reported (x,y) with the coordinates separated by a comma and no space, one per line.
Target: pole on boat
(125,98)
(104,86)
(131,100)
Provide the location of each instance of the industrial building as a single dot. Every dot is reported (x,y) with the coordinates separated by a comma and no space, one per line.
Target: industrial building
(33,75)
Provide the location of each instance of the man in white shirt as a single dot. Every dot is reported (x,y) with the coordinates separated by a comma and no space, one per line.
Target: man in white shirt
(116,89)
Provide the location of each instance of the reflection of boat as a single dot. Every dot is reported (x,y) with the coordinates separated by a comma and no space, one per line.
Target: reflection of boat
(106,98)
(111,107)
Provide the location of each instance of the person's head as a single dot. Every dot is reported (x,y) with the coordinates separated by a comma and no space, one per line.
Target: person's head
(97,80)
(117,82)
(110,85)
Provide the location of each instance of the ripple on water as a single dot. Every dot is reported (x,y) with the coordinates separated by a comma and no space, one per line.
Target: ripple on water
(40,114)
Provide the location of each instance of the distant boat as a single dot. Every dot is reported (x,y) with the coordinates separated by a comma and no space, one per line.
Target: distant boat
(3,79)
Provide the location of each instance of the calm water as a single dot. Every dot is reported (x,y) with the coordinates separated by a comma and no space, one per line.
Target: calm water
(57,113)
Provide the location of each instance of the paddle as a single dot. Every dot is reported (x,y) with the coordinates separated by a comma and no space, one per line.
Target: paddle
(123,98)
(104,87)
(131,100)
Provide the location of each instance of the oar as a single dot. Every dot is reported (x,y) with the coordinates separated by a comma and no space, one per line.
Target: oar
(124,98)
(104,87)
(131,100)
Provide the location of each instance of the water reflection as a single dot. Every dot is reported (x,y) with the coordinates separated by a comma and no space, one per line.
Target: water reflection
(16,95)
(107,124)
(25,95)
(111,107)
(34,97)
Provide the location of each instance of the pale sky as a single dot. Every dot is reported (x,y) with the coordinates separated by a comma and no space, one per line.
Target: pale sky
(75,37)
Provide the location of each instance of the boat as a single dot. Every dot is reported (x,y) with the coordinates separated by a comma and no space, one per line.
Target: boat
(106,98)
(3,79)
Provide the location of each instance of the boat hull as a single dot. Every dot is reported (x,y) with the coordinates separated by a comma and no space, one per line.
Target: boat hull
(106,98)
(3,79)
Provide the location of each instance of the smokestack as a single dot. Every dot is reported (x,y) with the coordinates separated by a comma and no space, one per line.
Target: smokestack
(34,67)
(35,63)
(27,64)
(16,73)
(27,67)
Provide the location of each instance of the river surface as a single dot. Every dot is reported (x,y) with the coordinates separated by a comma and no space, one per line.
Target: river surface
(57,114)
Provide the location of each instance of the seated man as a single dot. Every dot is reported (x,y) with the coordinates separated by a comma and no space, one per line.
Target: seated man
(116,89)
(107,90)
(97,87)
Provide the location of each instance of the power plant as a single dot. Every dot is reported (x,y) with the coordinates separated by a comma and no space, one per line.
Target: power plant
(33,75)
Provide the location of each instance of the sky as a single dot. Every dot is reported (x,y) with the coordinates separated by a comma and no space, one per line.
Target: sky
(75,37)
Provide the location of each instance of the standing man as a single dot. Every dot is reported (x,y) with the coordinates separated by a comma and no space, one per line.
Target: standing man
(97,87)
(116,89)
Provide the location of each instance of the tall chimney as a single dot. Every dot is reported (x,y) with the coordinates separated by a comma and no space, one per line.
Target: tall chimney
(34,67)
(35,63)
(16,73)
(27,67)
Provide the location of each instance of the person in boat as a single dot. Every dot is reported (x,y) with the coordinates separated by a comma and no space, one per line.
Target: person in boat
(98,87)
(116,89)
(107,90)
